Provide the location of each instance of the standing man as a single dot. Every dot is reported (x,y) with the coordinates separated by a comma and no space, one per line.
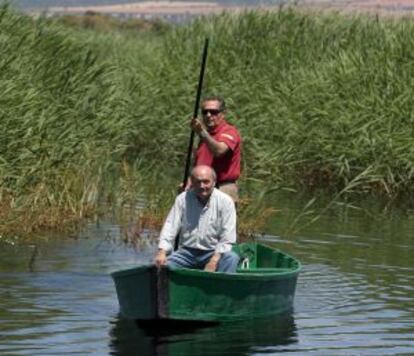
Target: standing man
(204,219)
(220,145)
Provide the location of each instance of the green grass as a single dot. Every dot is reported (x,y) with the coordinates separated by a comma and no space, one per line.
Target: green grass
(95,115)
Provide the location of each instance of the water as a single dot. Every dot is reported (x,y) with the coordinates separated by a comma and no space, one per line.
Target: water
(355,296)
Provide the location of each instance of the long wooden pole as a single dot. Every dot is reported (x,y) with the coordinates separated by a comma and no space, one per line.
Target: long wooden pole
(191,142)
(196,107)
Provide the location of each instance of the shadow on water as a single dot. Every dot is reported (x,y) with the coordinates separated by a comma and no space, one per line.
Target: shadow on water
(166,328)
(231,338)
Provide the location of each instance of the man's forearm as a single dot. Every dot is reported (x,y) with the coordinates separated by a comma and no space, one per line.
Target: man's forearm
(217,148)
(215,258)
(211,266)
(170,228)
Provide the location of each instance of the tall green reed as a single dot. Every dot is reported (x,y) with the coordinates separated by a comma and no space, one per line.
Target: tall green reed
(319,99)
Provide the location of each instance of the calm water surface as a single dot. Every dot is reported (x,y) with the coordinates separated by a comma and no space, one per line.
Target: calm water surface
(355,296)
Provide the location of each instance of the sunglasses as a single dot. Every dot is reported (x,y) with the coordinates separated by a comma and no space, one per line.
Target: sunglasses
(212,112)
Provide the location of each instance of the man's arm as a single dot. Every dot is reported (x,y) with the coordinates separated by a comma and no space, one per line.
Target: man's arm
(216,148)
(170,231)
(227,234)
(160,258)
(211,266)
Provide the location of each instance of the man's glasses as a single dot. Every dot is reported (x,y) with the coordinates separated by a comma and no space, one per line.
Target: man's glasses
(212,112)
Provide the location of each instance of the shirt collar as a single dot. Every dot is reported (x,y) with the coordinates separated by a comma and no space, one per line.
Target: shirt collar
(207,204)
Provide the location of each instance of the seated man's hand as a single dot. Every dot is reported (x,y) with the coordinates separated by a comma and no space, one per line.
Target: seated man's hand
(211,266)
(160,258)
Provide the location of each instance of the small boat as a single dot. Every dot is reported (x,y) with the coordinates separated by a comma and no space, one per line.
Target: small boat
(264,285)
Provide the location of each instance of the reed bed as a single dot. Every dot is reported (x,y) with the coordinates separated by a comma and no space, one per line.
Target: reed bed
(321,100)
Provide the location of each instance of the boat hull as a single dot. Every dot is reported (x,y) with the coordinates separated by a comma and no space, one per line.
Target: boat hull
(261,290)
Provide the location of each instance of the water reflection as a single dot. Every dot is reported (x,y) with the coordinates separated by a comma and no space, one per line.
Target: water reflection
(355,296)
(233,338)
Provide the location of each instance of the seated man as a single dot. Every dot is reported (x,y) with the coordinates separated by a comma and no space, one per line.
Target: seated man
(204,220)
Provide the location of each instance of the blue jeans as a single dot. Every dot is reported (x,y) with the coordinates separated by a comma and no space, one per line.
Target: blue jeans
(187,257)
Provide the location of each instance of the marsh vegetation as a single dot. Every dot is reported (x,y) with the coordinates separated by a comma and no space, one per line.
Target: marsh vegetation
(323,101)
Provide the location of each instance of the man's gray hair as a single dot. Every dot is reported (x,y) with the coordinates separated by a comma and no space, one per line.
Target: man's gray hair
(218,98)
(213,174)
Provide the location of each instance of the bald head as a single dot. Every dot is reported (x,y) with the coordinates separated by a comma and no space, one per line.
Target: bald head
(203,180)
(205,171)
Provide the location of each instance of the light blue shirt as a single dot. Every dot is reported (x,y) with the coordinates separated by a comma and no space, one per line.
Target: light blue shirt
(206,227)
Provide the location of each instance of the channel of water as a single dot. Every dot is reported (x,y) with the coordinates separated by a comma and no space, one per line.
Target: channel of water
(355,295)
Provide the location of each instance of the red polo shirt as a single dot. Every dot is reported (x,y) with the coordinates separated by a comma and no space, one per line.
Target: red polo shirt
(226,166)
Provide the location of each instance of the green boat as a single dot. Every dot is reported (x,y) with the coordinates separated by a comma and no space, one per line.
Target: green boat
(264,285)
